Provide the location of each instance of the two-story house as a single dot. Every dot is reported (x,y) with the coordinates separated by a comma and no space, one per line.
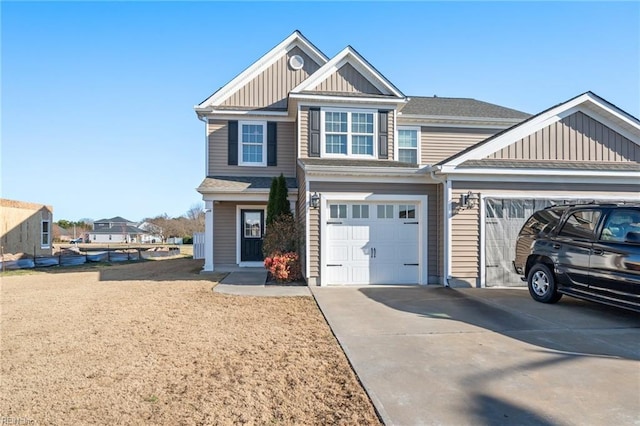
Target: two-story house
(115,230)
(395,189)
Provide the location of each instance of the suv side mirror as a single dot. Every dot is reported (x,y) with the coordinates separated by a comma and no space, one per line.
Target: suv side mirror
(632,237)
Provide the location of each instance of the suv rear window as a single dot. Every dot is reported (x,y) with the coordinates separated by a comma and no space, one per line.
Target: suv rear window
(580,224)
(542,222)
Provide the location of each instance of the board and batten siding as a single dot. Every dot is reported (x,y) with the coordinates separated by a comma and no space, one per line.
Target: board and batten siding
(438,144)
(271,88)
(218,152)
(432,230)
(304,133)
(577,137)
(347,80)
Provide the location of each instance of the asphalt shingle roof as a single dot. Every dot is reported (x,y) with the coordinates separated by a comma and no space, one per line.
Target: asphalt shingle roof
(241,183)
(355,163)
(556,165)
(458,107)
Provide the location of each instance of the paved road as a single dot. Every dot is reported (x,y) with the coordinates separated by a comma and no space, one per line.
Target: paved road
(440,356)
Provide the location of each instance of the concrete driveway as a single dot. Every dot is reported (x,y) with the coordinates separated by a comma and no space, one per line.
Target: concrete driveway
(441,356)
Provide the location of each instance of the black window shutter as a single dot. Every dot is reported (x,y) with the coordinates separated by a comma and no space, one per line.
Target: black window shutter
(232,157)
(272,143)
(314,132)
(383,134)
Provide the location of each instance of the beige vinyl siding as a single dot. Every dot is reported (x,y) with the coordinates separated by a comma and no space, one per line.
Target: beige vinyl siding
(270,89)
(218,152)
(347,79)
(433,232)
(301,215)
(438,144)
(224,233)
(304,132)
(577,137)
(465,238)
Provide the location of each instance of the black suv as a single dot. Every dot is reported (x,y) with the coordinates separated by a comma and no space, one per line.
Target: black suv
(590,251)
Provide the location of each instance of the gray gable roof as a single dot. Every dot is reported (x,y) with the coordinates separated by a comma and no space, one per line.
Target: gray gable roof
(241,183)
(556,165)
(348,163)
(458,107)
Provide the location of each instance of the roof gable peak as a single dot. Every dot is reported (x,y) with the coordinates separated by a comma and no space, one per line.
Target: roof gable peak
(296,39)
(588,103)
(349,55)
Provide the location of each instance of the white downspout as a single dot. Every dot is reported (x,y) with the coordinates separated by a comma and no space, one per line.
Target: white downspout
(446,211)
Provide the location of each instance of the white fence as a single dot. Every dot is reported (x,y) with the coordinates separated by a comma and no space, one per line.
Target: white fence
(198,245)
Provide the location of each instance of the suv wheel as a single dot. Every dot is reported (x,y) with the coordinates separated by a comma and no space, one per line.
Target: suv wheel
(542,284)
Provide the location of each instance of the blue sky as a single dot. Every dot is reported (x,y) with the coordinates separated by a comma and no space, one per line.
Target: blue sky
(97,98)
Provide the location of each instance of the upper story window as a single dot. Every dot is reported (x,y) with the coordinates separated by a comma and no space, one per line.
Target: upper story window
(348,132)
(408,150)
(252,143)
(45,234)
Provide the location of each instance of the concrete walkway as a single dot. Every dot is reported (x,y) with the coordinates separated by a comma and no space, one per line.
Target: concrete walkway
(440,356)
(253,283)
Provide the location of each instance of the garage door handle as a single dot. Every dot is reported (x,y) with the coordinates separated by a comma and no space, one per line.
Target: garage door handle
(334,223)
(411,264)
(334,264)
(411,223)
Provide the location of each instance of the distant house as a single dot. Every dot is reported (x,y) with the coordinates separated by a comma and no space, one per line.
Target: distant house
(61,234)
(115,230)
(25,227)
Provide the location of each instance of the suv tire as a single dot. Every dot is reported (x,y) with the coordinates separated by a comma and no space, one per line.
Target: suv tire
(542,284)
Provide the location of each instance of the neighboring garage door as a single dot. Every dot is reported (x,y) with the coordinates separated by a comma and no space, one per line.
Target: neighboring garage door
(503,220)
(372,243)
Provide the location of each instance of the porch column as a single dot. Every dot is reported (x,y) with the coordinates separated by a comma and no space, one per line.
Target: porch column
(208,237)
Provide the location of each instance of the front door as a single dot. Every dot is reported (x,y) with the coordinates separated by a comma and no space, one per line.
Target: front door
(251,232)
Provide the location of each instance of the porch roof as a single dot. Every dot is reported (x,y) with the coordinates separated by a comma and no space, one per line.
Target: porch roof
(240,184)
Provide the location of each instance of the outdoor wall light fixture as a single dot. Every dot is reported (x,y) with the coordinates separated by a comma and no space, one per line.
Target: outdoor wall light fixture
(315,200)
(469,200)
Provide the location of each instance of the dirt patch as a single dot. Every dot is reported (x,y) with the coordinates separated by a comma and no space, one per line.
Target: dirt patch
(151,343)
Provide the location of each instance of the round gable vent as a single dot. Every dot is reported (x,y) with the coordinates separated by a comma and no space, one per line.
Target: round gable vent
(296,62)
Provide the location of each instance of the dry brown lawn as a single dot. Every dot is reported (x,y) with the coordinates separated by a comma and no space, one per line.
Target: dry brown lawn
(151,343)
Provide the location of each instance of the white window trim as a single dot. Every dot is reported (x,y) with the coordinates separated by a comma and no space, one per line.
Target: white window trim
(349,154)
(264,144)
(48,244)
(396,154)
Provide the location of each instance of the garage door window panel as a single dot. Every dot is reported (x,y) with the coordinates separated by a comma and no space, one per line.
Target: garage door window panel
(338,211)
(360,211)
(407,211)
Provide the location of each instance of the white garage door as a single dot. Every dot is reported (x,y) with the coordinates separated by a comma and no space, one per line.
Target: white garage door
(372,243)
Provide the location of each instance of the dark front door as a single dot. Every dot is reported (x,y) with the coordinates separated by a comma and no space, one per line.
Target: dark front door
(252,222)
